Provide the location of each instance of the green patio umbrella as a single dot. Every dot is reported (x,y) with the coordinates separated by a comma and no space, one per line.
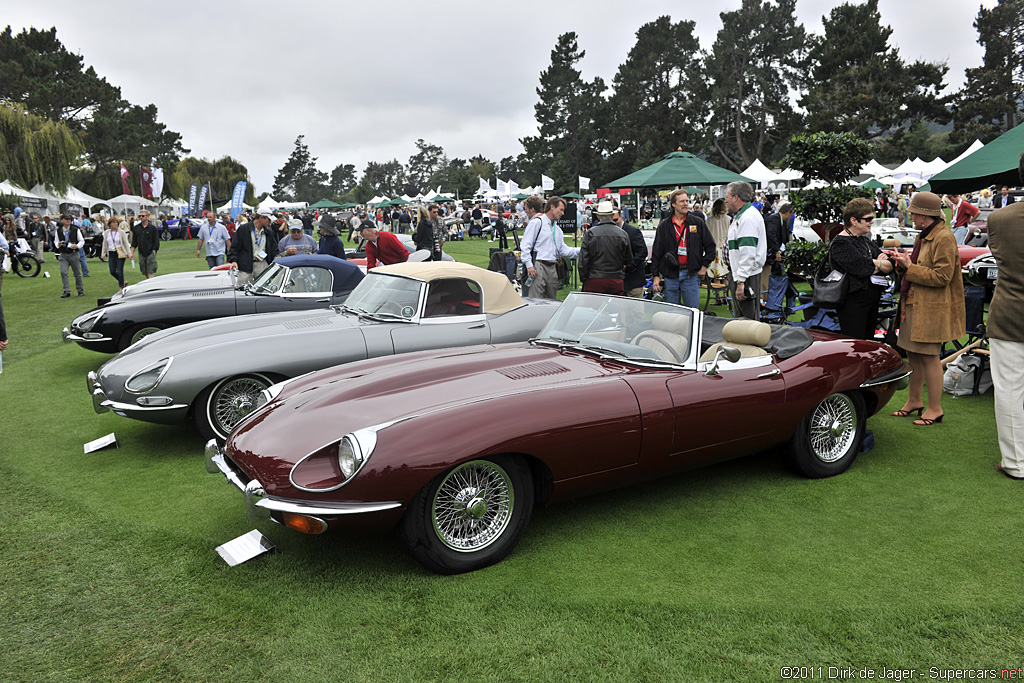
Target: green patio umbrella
(692,190)
(348,205)
(398,201)
(994,164)
(572,195)
(521,195)
(874,184)
(442,199)
(678,168)
(325,204)
(386,202)
(927,187)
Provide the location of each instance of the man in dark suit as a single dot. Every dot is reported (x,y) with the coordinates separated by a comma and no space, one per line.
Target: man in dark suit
(776,228)
(636,275)
(1003,199)
(253,249)
(1006,335)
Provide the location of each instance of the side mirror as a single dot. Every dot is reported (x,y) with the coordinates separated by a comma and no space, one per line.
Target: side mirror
(729,353)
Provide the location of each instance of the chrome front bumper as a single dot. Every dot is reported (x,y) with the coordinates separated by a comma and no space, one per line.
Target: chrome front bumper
(259,506)
(101,404)
(901,376)
(67,336)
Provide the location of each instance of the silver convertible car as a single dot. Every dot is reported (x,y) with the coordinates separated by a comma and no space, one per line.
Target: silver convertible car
(213,372)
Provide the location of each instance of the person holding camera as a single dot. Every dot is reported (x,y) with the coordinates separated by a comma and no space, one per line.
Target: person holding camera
(853,252)
(67,243)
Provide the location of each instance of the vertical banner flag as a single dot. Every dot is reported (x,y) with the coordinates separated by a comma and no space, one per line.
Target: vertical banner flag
(158,181)
(584,183)
(484,186)
(236,198)
(124,180)
(147,182)
(500,186)
(201,202)
(546,183)
(513,187)
(192,192)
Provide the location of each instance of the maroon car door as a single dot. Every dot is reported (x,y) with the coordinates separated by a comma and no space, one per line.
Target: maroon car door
(721,416)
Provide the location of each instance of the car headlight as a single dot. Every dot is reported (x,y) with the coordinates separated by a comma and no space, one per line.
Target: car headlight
(146,379)
(332,466)
(349,457)
(88,321)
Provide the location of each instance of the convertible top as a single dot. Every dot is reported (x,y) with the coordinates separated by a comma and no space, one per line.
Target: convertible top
(346,274)
(498,295)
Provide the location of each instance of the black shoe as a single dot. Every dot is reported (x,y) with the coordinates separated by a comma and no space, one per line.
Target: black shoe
(65,295)
(81,294)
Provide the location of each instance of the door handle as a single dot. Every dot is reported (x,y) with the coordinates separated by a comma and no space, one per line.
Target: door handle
(323,301)
(771,373)
(476,327)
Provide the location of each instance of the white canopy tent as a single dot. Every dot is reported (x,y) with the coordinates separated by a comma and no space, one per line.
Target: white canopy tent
(761,173)
(874,169)
(227,207)
(975,146)
(72,196)
(131,204)
(7,187)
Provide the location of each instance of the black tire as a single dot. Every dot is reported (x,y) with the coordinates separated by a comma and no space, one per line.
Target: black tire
(135,333)
(221,406)
(469,517)
(27,265)
(829,437)
(165,235)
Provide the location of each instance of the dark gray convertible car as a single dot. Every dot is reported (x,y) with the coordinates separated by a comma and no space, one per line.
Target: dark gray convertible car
(213,372)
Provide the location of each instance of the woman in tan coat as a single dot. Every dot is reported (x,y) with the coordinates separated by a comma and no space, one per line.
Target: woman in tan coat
(932,296)
(116,245)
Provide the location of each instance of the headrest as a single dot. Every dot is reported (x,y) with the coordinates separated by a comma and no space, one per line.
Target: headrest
(672,322)
(890,242)
(748,332)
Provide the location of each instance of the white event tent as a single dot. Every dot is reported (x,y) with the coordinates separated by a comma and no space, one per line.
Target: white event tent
(874,169)
(130,204)
(227,207)
(975,146)
(72,196)
(761,173)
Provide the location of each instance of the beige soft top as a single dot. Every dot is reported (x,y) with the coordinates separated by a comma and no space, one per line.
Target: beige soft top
(497,294)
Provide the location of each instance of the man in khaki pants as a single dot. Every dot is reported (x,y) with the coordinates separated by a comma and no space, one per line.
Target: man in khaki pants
(1006,334)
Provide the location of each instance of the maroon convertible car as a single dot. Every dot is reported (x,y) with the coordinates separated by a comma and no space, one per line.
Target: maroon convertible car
(456,446)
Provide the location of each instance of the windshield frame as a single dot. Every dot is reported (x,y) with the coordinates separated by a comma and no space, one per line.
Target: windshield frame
(370,289)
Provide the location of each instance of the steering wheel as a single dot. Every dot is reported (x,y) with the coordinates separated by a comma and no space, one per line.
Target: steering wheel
(663,349)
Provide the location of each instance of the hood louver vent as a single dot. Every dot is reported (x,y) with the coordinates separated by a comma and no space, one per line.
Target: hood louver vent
(309,322)
(533,370)
(214,292)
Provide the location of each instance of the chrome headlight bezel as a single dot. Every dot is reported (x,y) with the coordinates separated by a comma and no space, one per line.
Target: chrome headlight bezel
(87,321)
(361,444)
(154,372)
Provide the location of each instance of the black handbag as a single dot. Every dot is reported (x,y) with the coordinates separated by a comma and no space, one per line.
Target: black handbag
(830,290)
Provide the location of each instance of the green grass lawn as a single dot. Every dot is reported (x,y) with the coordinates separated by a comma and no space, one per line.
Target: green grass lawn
(108,571)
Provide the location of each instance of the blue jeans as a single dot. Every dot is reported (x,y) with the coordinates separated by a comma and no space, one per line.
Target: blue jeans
(85,266)
(116,266)
(960,234)
(214,261)
(685,289)
(780,291)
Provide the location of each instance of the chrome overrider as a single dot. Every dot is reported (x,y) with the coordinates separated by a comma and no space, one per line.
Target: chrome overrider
(101,404)
(259,506)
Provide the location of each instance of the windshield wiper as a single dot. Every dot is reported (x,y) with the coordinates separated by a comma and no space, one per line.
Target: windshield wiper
(384,316)
(557,342)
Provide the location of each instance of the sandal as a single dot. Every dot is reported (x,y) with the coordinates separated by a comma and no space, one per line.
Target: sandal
(927,422)
(907,413)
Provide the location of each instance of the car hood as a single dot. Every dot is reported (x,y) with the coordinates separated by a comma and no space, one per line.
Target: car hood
(322,407)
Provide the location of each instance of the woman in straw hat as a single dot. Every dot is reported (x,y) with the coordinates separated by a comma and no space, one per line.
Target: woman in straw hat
(932,296)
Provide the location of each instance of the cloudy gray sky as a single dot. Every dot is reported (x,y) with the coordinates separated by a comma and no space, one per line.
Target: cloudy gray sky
(363,81)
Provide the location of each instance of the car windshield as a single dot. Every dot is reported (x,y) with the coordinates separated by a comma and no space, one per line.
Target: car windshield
(270,280)
(630,329)
(384,295)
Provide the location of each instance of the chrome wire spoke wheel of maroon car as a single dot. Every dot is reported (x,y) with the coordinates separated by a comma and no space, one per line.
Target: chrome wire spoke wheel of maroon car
(470,516)
(829,437)
(224,405)
(472,506)
(833,427)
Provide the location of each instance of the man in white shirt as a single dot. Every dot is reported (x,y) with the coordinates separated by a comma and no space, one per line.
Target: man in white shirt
(217,240)
(543,243)
(748,251)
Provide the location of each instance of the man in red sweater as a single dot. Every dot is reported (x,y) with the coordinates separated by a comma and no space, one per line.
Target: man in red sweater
(963,212)
(383,247)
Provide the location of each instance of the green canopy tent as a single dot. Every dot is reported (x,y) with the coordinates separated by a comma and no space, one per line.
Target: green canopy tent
(874,184)
(927,187)
(521,195)
(678,169)
(348,205)
(572,195)
(441,199)
(994,164)
(384,202)
(325,204)
(398,201)
(692,190)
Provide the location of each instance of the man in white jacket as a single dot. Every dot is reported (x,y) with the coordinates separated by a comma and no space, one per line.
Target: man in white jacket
(748,250)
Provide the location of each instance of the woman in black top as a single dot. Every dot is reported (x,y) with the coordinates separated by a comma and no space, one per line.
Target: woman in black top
(852,252)
(428,232)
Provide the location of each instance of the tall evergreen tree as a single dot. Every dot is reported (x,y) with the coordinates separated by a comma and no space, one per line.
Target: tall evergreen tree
(299,179)
(659,102)
(343,179)
(756,61)
(992,101)
(424,163)
(571,116)
(858,82)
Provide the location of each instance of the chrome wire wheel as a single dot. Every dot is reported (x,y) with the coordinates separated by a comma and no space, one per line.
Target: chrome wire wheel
(833,428)
(143,332)
(472,506)
(233,400)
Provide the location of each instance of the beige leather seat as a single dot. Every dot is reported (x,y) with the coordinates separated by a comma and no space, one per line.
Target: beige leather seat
(670,338)
(749,336)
